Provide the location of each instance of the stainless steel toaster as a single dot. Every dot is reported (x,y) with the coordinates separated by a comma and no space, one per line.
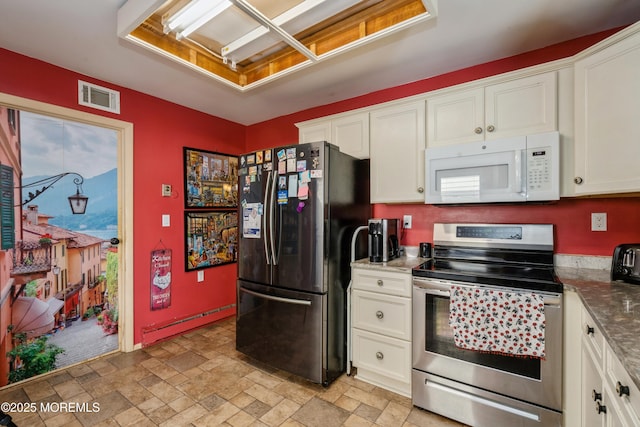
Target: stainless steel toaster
(625,264)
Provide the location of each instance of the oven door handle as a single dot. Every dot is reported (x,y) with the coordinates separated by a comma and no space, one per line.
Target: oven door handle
(436,292)
(433,287)
(443,288)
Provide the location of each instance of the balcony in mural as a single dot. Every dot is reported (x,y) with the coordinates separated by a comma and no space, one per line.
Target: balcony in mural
(31,259)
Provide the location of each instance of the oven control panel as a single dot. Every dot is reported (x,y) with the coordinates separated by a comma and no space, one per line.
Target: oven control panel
(489,232)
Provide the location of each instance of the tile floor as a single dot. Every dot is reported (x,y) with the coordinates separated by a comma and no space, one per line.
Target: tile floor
(198,379)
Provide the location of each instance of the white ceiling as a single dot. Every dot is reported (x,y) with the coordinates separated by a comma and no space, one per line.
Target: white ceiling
(80,35)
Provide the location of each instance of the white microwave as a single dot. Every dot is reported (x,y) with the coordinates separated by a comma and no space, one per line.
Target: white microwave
(519,169)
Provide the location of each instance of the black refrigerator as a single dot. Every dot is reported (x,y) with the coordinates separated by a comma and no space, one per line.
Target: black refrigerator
(299,206)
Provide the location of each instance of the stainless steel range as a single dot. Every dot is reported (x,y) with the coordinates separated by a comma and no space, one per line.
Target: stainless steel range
(473,382)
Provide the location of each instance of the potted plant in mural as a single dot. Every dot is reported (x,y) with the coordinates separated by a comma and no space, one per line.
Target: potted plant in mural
(45,240)
(31,357)
(108,318)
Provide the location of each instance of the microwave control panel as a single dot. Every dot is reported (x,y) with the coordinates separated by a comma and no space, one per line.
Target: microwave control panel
(539,168)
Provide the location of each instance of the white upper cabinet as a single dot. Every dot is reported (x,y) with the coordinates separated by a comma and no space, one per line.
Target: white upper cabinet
(314,132)
(397,143)
(517,107)
(351,134)
(607,119)
(348,131)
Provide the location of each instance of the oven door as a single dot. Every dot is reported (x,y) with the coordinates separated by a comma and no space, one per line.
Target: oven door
(529,379)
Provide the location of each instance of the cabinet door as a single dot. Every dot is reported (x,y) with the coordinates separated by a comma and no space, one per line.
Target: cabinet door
(592,385)
(397,153)
(455,118)
(607,102)
(521,107)
(315,132)
(351,134)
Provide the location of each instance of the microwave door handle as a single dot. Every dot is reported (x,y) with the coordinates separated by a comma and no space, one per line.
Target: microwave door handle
(520,166)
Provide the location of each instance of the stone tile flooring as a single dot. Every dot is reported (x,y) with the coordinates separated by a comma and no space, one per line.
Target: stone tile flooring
(199,379)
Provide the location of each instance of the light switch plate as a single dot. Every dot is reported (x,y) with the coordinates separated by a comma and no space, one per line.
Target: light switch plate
(200,276)
(166,220)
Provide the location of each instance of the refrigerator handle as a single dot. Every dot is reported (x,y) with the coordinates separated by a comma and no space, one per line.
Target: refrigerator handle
(272,222)
(279,299)
(267,194)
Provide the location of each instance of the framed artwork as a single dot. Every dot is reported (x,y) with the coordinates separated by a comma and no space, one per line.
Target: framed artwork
(211,238)
(210,179)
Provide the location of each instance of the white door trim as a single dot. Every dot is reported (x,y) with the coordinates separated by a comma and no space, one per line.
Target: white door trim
(125,198)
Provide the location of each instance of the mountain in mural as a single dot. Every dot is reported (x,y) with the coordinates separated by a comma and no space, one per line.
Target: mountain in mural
(102,208)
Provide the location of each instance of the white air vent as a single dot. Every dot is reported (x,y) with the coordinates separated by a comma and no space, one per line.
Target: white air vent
(98,97)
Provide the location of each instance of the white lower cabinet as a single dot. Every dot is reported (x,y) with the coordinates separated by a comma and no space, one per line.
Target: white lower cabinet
(608,397)
(381,328)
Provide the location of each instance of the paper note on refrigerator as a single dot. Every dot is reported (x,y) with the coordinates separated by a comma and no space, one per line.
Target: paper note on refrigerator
(303,191)
(251,220)
(293,185)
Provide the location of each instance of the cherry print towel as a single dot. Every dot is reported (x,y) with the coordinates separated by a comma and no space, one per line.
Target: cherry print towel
(495,321)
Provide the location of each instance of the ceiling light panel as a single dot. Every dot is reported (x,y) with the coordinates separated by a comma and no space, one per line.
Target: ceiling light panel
(306,14)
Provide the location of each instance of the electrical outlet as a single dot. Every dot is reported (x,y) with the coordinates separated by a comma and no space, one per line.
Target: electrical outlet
(406,222)
(599,221)
(166,190)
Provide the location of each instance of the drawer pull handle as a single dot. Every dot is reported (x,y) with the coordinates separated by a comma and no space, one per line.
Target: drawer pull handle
(491,128)
(380,282)
(601,409)
(622,389)
(589,330)
(379,314)
(478,130)
(379,355)
(596,396)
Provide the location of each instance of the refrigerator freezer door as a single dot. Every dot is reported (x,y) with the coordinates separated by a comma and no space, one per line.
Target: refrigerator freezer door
(282,328)
(255,187)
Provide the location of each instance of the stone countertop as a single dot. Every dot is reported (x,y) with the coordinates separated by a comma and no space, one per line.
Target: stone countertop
(403,264)
(615,307)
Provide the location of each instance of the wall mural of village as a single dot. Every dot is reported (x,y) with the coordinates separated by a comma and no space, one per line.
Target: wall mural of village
(58,271)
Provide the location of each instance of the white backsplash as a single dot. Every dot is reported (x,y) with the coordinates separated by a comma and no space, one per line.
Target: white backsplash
(583,261)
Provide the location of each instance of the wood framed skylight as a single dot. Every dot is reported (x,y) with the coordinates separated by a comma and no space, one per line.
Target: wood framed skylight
(247,43)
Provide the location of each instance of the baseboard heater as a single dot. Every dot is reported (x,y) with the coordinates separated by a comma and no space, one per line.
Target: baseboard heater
(157,332)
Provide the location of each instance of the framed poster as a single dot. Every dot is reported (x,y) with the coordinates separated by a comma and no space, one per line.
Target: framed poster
(210,179)
(211,238)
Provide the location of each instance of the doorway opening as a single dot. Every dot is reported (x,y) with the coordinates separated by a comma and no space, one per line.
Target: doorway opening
(103,289)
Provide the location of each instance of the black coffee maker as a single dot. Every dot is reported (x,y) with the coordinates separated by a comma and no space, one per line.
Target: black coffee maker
(383,239)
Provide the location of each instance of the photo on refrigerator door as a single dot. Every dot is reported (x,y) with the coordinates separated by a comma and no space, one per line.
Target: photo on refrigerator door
(211,239)
(210,178)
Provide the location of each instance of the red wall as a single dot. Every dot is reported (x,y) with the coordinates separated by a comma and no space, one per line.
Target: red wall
(161,129)
(571,216)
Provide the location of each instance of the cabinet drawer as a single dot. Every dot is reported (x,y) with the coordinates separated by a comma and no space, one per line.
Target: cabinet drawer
(385,314)
(592,337)
(391,283)
(383,361)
